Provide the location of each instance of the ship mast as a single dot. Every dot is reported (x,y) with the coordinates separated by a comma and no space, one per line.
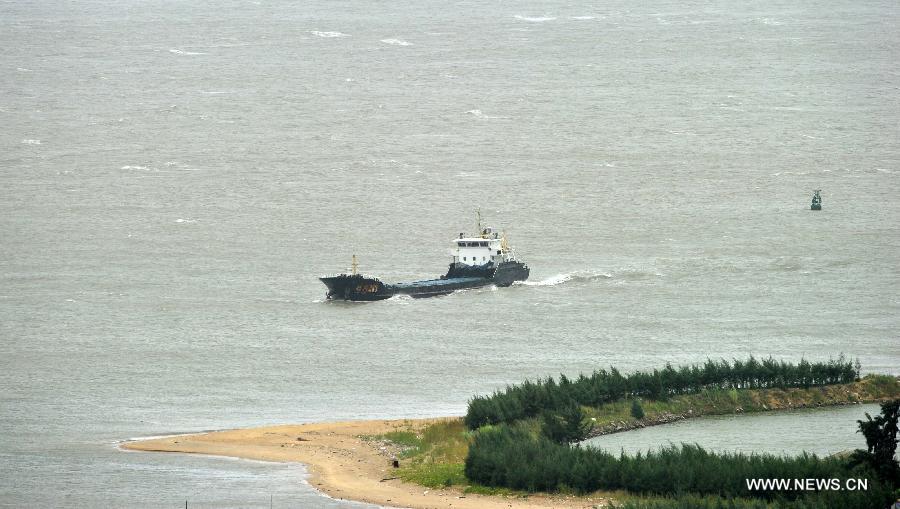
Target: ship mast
(478,228)
(354,266)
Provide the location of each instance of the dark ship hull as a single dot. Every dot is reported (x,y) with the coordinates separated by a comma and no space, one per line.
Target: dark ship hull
(357,287)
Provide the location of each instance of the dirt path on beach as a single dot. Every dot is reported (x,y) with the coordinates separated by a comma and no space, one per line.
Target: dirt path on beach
(345,466)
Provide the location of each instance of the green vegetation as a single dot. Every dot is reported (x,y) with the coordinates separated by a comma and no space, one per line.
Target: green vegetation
(513,456)
(532,398)
(715,502)
(567,425)
(435,475)
(435,456)
(637,411)
(878,460)
(881,443)
(694,502)
(534,453)
(617,415)
(407,439)
(438,460)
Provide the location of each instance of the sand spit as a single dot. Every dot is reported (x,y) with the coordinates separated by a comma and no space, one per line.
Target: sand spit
(345,466)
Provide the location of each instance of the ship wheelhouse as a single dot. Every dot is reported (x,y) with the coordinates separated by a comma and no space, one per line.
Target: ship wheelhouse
(487,247)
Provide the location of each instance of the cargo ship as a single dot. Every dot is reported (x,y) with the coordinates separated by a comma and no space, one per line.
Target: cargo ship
(478,260)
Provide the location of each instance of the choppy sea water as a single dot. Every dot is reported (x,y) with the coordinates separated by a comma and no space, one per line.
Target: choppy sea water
(176,175)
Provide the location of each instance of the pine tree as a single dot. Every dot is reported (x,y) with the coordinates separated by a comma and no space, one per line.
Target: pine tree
(637,411)
(881,440)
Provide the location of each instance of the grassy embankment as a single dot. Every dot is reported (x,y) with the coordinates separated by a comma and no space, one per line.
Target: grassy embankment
(434,456)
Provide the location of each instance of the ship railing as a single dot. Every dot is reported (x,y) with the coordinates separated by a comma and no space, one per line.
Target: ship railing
(365,276)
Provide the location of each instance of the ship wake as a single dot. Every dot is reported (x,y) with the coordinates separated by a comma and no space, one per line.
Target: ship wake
(590,277)
(568,278)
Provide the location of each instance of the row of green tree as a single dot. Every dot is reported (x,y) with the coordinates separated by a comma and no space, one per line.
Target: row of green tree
(714,502)
(532,398)
(515,456)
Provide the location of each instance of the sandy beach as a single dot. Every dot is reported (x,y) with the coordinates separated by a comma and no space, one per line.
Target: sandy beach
(345,466)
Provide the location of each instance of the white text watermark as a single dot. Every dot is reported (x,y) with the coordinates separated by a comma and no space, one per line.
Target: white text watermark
(807,484)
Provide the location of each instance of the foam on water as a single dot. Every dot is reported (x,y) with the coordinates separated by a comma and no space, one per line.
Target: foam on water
(183,52)
(328,35)
(480,114)
(396,42)
(118,443)
(570,277)
(535,19)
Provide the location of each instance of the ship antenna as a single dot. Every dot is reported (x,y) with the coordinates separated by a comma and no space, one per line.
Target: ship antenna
(354,266)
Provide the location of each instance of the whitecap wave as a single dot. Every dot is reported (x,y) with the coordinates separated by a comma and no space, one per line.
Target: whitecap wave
(327,35)
(396,42)
(480,114)
(852,171)
(31,142)
(535,19)
(182,52)
(582,18)
(135,167)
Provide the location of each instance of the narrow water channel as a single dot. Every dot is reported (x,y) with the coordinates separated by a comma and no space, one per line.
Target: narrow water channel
(822,431)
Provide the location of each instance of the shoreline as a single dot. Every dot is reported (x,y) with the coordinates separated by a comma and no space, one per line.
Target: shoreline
(346,467)
(344,463)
